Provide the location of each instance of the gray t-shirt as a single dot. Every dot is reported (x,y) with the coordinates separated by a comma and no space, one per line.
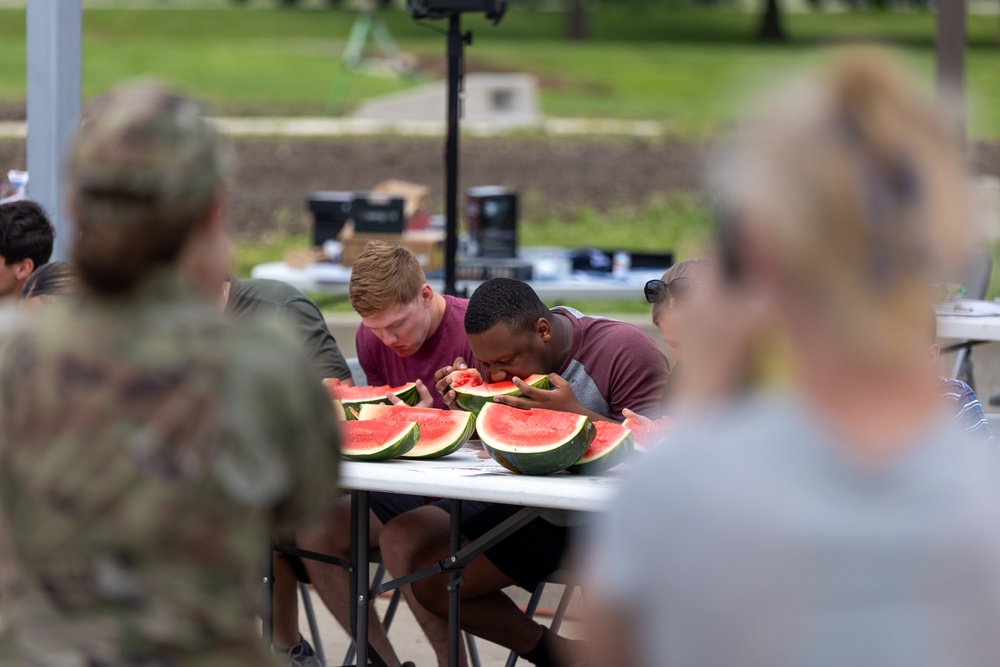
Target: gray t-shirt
(256,299)
(756,540)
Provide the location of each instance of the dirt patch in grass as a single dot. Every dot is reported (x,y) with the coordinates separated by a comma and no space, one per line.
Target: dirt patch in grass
(275,176)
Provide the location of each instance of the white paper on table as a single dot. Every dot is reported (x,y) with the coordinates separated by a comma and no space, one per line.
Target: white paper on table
(969,308)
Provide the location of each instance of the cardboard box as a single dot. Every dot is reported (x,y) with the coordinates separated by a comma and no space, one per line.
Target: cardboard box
(427,246)
(414,195)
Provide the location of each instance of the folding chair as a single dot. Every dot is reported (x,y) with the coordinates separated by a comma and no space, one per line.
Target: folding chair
(532,607)
(303,580)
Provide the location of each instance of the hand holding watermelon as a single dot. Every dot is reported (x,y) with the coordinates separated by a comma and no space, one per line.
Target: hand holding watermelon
(442,380)
(559,397)
(425,400)
(635,417)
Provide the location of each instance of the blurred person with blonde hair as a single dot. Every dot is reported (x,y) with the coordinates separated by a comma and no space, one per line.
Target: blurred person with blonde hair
(150,450)
(843,519)
(669,295)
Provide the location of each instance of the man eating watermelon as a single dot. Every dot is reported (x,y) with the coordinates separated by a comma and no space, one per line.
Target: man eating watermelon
(407,333)
(596,367)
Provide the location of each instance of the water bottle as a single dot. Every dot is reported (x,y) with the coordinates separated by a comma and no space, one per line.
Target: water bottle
(621,264)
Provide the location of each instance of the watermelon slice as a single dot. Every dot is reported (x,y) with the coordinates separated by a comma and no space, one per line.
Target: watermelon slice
(377,440)
(536,441)
(647,435)
(441,431)
(471,393)
(613,444)
(354,397)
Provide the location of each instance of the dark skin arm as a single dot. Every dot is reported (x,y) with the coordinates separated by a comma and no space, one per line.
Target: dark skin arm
(560,397)
(443,382)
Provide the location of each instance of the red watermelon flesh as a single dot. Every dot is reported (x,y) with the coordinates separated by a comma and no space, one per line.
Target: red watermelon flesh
(441,431)
(343,392)
(648,435)
(471,393)
(471,379)
(608,433)
(377,440)
(351,398)
(536,441)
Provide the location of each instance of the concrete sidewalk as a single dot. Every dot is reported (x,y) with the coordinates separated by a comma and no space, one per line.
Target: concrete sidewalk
(346,127)
(410,642)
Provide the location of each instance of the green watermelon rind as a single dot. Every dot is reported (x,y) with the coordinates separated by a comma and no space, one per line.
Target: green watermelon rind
(606,460)
(404,442)
(473,402)
(559,456)
(445,448)
(409,396)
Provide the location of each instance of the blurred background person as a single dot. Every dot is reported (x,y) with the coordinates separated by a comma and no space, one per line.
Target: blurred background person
(50,283)
(254,301)
(843,519)
(149,449)
(968,410)
(26,238)
(669,296)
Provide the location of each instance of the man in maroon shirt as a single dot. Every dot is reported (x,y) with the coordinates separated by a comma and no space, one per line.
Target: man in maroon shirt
(407,333)
(597,367)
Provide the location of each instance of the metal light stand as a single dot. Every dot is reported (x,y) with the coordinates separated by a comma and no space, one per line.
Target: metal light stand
(456,70)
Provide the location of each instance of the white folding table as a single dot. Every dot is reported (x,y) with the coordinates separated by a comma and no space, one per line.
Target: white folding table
(985,329)
(461,476)
(583,287)
(972,323)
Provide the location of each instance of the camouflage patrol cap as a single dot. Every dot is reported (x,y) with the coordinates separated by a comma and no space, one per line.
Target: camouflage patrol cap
(141,142)
(144,171)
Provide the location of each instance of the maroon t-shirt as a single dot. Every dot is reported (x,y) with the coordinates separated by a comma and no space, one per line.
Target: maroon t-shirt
(383,366)
(614,365)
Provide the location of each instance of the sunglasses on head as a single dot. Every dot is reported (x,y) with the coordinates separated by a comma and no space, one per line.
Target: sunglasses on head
(657,290)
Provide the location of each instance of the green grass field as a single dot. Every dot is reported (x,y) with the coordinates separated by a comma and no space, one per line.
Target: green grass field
(687,68)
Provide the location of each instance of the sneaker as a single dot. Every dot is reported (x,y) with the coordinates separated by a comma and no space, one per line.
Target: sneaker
(300,655)
(302,660)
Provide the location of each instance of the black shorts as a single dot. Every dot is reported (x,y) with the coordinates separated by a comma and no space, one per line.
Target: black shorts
(387,506)
(528,556)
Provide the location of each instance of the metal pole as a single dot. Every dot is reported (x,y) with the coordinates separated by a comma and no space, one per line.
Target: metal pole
(455,42)
(54,29)
(951,59)
(455,588)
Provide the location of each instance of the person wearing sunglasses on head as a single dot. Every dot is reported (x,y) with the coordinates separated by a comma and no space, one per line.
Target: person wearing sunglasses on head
(668,297)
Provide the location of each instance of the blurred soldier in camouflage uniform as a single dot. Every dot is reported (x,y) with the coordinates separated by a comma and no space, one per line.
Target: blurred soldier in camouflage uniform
(148,449)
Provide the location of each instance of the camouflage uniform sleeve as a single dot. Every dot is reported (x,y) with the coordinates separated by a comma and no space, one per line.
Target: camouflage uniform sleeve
(289,446)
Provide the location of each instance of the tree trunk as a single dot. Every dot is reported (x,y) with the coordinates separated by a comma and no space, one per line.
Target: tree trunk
(576,28)
(771,28)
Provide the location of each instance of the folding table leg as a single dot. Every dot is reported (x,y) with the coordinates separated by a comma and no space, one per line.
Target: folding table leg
(360,504)
(455,588)
(267,612)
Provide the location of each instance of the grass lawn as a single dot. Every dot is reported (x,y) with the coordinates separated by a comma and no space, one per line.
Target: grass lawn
(684,67)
